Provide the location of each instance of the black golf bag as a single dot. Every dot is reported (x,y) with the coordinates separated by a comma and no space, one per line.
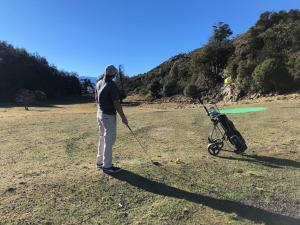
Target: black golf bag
(217,137)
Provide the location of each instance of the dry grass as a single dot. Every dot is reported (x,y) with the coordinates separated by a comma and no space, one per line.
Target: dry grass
(48,174)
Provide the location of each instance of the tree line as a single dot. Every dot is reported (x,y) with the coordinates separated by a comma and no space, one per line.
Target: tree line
(22,70)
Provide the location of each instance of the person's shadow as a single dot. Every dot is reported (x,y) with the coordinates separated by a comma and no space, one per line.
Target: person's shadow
(228,206)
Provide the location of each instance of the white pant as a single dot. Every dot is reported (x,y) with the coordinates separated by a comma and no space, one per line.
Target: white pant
(107,127)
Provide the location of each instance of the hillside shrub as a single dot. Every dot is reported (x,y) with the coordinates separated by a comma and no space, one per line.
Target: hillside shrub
(244,78)
(170,88)
(191,91)
(294,69)
(272,75)
(154,89)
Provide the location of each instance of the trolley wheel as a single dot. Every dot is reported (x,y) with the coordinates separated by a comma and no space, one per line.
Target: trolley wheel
(220,144)
(213,149)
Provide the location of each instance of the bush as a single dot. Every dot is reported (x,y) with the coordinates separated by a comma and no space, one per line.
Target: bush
(232,68)
(294,68)
(191,91)
(244,78)
(154,89)
(170,88)
(141,91)
(272,75)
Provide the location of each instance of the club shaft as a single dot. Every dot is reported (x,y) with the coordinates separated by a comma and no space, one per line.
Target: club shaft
(135,137)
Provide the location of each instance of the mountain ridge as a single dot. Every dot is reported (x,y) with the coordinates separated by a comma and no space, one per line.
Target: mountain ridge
(264,59)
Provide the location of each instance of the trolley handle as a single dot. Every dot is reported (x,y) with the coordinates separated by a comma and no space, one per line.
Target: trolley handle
(206,110)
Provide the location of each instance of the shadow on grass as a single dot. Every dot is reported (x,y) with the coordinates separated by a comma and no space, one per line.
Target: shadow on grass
(276,161)
(46,104)
(51,103)
(242,210)
(132,103)
(266,161)
(65,101)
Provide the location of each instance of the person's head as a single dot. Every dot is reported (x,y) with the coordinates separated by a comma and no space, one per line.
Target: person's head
(110,71)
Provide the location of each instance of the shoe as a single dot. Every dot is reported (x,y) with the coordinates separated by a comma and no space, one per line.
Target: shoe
(99,166)
(112,169)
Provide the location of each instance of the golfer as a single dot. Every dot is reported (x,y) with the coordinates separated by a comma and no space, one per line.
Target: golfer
(108,103)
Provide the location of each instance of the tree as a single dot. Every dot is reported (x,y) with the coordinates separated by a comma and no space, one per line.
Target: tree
(191,91)
(120,82)
(264,21)
(154,89)
(294,69)
(272,75)
(212,59)
(244,78)
(170,88)
(221,32)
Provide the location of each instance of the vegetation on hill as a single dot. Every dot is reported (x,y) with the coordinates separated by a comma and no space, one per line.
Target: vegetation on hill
(264,59)
(22,70)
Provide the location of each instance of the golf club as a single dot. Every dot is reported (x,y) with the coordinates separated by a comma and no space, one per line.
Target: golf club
(143,148)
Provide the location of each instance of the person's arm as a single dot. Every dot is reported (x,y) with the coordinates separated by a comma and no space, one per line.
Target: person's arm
(116,102)
(119,109)
(96,96)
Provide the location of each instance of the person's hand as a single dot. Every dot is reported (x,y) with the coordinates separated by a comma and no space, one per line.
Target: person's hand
(125,121)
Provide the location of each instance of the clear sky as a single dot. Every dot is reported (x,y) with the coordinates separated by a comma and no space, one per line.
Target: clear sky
(86,35)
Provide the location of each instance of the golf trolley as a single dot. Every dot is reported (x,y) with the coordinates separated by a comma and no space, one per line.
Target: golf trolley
(216,137)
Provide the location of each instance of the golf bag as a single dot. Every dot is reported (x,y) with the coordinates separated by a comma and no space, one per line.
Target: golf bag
(229,133)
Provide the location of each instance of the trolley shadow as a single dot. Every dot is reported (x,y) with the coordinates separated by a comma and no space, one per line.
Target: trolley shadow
(265,160)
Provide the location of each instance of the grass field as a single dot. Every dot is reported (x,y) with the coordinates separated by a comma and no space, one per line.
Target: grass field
(48,174)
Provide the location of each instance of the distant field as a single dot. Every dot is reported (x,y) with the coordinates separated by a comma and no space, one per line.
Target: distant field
(48,174)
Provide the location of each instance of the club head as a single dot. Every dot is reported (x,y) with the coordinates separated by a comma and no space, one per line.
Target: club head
(156,163)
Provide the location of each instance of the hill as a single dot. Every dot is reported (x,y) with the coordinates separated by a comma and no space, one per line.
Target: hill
(92,79)
(264,59)
(22,70)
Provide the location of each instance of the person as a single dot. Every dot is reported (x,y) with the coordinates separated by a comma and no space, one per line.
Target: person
(108,103)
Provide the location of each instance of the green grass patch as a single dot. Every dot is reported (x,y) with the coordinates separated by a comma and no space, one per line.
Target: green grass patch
(243,110)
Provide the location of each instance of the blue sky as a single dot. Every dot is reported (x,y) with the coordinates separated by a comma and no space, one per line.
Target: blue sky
(86,35)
